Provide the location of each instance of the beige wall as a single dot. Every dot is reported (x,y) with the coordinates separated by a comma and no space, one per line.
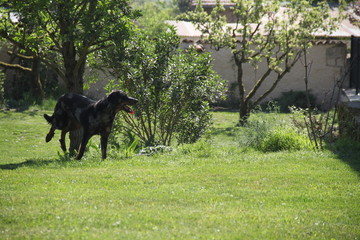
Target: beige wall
(328,66)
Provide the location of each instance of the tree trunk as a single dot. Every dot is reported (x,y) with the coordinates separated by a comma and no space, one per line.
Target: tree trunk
(75,85)
(244,112)
(244,106)
(74,71)
(37,88)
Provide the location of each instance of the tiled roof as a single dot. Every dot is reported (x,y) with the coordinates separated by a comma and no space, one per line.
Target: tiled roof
(210,3)
(187,31)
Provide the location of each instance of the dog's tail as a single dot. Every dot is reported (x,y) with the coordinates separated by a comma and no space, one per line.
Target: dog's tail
(48,118)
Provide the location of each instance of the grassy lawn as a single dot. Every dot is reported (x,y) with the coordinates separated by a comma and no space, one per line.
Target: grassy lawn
(213,189)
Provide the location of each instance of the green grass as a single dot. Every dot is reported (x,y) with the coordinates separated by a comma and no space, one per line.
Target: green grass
(215,189)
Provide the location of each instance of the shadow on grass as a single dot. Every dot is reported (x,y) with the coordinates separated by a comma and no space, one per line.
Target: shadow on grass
(64,159)
(8,112)
(347,151)
(27,163)
(352,160)
(229,131)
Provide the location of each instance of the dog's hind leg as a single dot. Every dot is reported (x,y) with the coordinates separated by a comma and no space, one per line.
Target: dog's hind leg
(84,141)
(62,140)
(50,135)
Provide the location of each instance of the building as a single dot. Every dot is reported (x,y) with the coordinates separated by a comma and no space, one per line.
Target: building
(329,57)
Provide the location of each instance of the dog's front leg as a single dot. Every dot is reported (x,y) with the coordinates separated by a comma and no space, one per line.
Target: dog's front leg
(103,142)
(84,141)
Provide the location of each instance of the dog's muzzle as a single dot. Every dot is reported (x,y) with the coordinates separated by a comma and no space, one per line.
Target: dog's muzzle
(126,108)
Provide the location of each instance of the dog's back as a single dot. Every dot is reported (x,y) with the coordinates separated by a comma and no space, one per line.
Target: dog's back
(68,108)
(66,113)
(72,103)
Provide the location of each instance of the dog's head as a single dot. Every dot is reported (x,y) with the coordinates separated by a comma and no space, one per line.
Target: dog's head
(121,101)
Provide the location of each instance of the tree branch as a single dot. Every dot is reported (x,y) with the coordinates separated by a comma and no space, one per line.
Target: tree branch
(99,48)
(20,55)
(259,83)
(54,67)
(279,77)
(15,66)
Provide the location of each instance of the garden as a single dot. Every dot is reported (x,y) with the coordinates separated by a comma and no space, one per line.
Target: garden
(221,187)
(184,164)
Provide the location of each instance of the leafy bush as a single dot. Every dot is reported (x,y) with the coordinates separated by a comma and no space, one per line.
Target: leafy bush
(253,132)
(294,98)
(174,88)
(284,140)
(270,133)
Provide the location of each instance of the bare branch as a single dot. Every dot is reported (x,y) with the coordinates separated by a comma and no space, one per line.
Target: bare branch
(15,66)
(54,67)
(279,77)
(20,55)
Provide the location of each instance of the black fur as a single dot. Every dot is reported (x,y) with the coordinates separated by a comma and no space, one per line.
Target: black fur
(74,111)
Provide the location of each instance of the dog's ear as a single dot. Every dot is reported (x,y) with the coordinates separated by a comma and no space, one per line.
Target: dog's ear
(112,97)
(116,97)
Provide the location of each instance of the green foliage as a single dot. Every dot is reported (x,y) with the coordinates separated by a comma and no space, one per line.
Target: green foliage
(294,99)
(130,150)
(269,133)
(284,140)
(24,103)
(183,5)
(254,131)
(174,88)
(154,15)
(321,127)
(44,22)
(64,33)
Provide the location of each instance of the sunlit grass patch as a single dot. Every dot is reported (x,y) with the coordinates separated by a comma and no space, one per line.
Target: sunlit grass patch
(216,188)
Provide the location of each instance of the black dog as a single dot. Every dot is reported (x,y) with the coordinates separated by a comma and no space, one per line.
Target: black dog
(73,111)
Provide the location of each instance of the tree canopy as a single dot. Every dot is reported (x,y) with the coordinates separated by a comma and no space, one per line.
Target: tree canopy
(63,33)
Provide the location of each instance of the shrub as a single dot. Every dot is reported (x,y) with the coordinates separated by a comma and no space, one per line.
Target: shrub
(271,133)
(284,140)
(294,98)
(253,132)
(174,88)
